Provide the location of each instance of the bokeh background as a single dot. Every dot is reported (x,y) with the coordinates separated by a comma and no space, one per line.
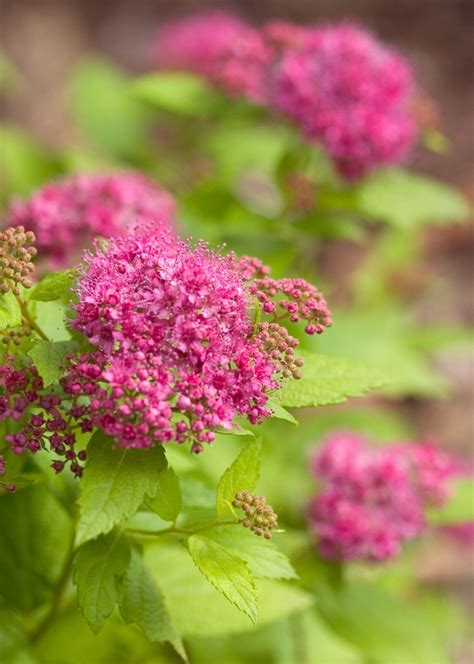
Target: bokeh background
(45,39)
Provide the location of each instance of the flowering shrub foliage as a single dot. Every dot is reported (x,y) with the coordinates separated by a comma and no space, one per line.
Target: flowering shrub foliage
(68,214)
(373,500)
(341,86)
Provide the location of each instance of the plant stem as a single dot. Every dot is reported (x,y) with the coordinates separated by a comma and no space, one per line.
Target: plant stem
(29,318)
(57,598)
(180,531)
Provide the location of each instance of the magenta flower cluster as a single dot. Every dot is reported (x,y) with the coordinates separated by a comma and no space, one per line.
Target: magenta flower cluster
(372,500)
(342,87)
(175,350)
(68,214)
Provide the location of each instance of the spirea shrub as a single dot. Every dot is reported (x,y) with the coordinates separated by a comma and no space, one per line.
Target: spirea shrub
(68,214)
(373,500)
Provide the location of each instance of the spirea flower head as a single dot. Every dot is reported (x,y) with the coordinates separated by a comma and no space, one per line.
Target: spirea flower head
(67,214)
(220,46)
(176,351)
(16,254)
(259,517)
(372,500)
(351,93)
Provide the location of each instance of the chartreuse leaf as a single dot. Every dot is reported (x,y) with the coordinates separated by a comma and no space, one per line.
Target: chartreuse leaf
(49,358)
(105,111)
(329,380)
(36,536)
(459,508)
(54,286)
(242,475)
(142,603)
(10,312)
(407,200)
(176,92)
(99,569)
(281,413)
(385,629)
(229,574)
(167,500)
(199,610)
(115,483)
(265,560)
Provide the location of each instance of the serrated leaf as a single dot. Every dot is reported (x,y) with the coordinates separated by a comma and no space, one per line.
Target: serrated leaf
(10,312)
(36,535)
(176,92)
(142,603)
(49,358)
(265,560)
(407,200)
(115,483)
(281,413)
(99,568)
(199,610)
(329,380)
(242,475)
(459,508)
(54,286)
(229,574)
(167,500)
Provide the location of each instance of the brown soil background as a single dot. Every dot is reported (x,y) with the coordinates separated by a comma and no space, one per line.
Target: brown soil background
(45,38)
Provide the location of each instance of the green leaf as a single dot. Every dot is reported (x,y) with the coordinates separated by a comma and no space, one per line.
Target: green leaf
(176,92)
(167,500)
(281,413)
(265,560)
(115,483)
(49,358)
(54,286)
(407,200)
(142,603)
(10,312)
(199,610)
(459,508)
(24,164)
(229,574)
(13,641)
(242,475)
(36,537)
(387,630)
(329,380)
(105,111)
(99,569)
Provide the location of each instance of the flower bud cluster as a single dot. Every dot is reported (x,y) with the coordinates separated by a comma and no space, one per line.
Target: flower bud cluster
(16,259)
(40,422)
(276,342)
(68,214)
(259,516)
(300,300)
(372,500)
(15,335)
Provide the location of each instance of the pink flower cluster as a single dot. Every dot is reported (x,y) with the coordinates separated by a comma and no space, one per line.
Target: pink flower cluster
(221,47)
(40,421)
(68,214)
(371,501)
(352,94)
(341,86)
(175,351)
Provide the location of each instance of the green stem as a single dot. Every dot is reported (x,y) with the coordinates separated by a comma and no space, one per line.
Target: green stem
(29,318)
(180,531)
(57,598)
